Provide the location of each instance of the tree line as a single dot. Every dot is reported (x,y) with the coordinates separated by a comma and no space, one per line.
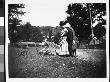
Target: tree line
(83,18)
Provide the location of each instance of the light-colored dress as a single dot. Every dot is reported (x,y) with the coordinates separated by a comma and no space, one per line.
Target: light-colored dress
(64,44)
(63,47)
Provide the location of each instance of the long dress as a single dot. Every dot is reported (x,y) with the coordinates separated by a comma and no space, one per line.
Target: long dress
(64,44)
(64,47)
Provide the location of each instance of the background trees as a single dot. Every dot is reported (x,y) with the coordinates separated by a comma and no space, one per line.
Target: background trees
(14,20)
(26,33)
(83,17)
(87,19)
(37,35)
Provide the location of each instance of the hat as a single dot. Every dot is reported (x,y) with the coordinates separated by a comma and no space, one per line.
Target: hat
(67,25)
(62,23)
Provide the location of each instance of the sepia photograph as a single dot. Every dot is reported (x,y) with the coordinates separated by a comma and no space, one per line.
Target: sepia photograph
(57,40)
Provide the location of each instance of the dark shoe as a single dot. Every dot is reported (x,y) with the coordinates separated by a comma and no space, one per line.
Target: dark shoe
(73,56)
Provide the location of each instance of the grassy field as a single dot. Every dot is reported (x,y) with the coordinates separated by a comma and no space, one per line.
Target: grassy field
(28,63)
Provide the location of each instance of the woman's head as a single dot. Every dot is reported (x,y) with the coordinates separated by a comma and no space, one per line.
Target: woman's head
(64,31)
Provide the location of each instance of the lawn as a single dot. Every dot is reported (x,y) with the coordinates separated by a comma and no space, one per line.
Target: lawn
(29,63)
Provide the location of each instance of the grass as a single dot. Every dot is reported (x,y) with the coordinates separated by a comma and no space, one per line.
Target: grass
(28,63)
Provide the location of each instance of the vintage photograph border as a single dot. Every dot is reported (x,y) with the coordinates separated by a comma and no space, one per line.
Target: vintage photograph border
(56,79)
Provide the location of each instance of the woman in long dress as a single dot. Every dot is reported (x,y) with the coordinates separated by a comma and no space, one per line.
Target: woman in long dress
(64,43)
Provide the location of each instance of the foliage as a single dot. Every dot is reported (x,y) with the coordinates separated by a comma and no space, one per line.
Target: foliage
(57,38)
(26,32)
(14,20)
(79,18)
(37,35)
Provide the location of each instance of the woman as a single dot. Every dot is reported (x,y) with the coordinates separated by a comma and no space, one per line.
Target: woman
(64,43)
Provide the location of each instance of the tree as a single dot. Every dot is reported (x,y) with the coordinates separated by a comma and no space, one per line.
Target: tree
(81,17)
(37,35)
(50,34)
(47,32)
(57,38)
(14,20)
(27,32)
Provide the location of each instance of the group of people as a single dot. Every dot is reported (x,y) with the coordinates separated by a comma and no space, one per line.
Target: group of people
(68,42)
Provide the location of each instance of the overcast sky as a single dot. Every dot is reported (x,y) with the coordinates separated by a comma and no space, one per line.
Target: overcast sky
(45,12)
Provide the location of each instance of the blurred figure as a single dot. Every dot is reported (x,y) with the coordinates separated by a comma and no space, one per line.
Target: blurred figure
(69,35)
(64,44)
